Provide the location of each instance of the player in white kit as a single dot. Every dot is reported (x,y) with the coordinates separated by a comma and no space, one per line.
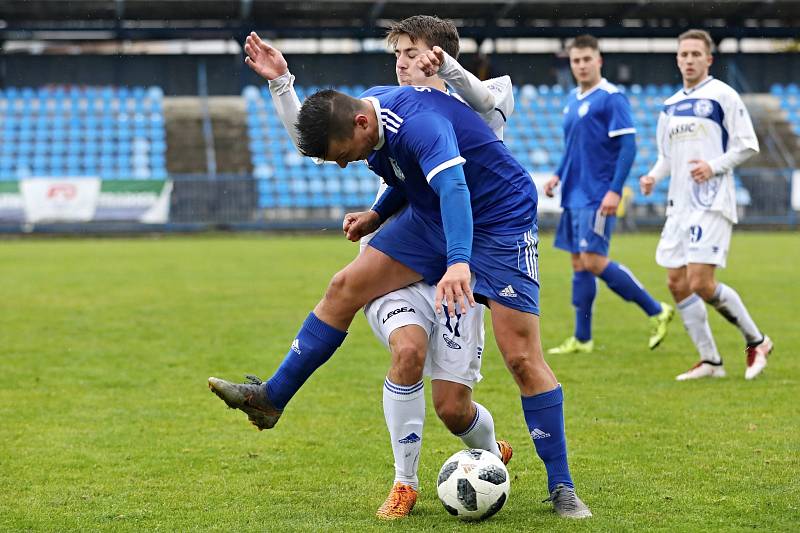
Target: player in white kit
(704,132)
(450,348)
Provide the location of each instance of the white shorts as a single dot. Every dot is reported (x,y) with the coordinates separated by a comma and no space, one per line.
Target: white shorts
(702,237)
(455,345)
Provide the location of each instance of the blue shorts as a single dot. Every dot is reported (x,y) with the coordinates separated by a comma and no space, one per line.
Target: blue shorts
(506,267)
(584,230)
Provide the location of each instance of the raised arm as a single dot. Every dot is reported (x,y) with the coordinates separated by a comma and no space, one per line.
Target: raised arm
(469,87)
(269,63)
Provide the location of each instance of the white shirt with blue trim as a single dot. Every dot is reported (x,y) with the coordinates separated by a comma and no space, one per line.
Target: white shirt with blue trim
(708,122)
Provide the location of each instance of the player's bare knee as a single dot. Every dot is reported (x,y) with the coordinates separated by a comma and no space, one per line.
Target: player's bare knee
(703,287)
(519,364)
(408,360)
(678,286)
(594,263)
(454,414)
(342,293)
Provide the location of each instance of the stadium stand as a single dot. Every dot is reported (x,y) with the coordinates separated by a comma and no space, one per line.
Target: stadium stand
(285,178)
(534,136)
(106,132)
(789,98)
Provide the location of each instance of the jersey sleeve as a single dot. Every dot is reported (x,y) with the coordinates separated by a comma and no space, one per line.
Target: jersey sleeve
(620,119)
(503,92)
(742,143)
(286,103)
(465,84)
(431,140)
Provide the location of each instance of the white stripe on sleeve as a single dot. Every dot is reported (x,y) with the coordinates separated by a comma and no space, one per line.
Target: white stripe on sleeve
(443,166)
(624,131)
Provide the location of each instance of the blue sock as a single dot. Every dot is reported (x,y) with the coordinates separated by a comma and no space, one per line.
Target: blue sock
(622,281)
(315,343)
(584,289)
(544,414)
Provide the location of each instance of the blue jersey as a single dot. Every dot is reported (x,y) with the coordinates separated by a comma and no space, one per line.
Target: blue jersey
(424,131)
(593,122)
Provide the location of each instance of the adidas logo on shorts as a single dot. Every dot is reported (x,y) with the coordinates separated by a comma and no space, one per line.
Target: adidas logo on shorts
(508,292)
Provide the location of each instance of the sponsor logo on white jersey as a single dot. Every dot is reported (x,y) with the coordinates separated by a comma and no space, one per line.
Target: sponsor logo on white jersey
(704,193)
(296,346)
(508,292)
(539,434)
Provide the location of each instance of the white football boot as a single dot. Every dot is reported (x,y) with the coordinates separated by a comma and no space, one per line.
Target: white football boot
(703,369)
(757,358)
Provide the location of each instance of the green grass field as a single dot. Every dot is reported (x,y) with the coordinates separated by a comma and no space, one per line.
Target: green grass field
(106,422)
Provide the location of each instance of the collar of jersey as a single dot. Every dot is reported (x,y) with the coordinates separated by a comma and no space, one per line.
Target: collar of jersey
(377,105)
(581,96)
(693,89)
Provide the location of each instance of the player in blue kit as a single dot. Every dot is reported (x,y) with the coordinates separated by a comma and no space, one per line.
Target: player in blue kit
(421,343)
(472,208)
(599,150)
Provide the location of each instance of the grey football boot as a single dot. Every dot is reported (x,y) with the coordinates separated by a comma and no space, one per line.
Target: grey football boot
(250,397)
(567,504)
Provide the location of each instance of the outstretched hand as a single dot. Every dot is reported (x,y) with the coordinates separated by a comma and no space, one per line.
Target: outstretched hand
(265,60)
(430,61)
(454,290)
(356,225)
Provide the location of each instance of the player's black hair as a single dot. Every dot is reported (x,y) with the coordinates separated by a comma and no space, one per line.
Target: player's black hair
(433,30)
(584,41)
(325,116)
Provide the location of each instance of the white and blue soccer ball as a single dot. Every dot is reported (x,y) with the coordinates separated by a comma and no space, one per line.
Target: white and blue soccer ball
(473,484)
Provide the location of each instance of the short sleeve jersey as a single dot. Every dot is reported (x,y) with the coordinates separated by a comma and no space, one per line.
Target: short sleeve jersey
(593,123)
(422,132)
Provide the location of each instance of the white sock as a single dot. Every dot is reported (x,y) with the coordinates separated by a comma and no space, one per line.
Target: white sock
(404,410)
(730,305)
(695,320)
(480,434)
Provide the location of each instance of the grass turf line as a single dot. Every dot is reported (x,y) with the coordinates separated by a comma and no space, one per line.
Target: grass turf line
(105,346)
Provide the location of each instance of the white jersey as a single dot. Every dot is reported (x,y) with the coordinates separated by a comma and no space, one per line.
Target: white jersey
(710,123)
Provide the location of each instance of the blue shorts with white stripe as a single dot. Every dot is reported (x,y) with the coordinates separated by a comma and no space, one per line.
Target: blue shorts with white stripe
(506,267)
(585,230)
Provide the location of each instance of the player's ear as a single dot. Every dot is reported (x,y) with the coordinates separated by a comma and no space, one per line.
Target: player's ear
(360,121)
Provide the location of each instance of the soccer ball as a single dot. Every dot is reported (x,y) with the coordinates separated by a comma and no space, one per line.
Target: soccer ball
(473,484)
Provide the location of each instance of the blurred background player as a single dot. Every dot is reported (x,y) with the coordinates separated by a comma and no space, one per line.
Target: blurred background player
(704,132)
(599,149)
(448,350)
